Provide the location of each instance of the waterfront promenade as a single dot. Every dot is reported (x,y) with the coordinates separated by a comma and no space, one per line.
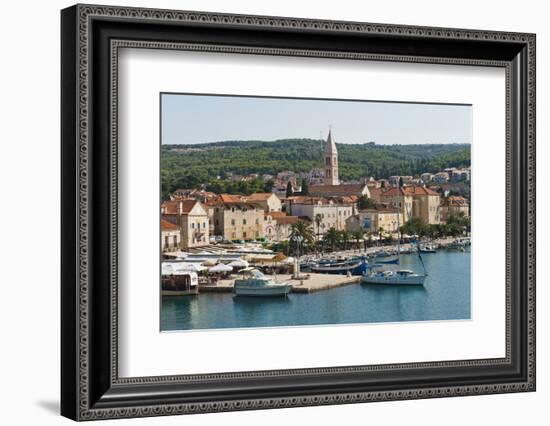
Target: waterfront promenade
(314,282)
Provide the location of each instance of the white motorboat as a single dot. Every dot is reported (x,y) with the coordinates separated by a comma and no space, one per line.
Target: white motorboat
(255,283)
(398,277)
(427,248)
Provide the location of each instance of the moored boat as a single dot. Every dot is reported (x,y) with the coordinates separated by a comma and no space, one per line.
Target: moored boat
(352,267)
(381,275)
(255,283)
(426,248)
(398,277)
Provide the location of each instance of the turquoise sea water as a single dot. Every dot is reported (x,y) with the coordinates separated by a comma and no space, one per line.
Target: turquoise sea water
(444,296)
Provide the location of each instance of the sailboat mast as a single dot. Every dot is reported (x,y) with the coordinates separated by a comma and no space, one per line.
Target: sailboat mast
(399,236)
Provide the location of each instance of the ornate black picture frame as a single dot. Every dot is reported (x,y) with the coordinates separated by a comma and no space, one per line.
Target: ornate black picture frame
(91,387)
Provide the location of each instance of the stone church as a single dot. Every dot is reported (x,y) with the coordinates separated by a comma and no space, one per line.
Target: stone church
(332,186)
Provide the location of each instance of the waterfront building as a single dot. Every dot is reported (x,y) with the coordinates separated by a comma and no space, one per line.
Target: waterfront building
(425,203)
(278,225)
(399,198)
(332,214)
(192,218)
(170,236)
(235,218)
(372,220)
(454,205)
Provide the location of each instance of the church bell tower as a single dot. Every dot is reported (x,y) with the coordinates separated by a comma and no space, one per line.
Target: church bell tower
(331,162)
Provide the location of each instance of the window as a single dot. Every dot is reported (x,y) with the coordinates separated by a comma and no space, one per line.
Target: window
(257,221)
(244,221)
(166,241)
(244,235)
(193,225)
(175,241)
(233,222)
(204,224)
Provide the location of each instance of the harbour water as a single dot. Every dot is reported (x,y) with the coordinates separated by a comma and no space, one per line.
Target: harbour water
(444,296)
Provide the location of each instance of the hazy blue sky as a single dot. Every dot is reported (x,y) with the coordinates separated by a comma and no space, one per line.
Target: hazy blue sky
(189,119)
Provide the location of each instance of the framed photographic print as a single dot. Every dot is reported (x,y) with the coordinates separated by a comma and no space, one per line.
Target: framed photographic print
(264,212)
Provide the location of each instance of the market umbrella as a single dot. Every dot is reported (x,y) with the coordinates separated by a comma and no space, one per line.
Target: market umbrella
(239,263)
(220,267)
(194,267)
(209,262)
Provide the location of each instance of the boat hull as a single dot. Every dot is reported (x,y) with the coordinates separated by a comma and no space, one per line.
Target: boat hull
(357,269)
(393,280)
(267,291)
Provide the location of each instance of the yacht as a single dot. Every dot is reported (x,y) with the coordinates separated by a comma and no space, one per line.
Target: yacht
(378,274)
(426,248)
(398,277)
(255,283)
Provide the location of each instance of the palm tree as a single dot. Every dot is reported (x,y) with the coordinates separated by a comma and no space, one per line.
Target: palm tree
(318,219)
(346,236)
(332,238)
(303,230)
(358,237)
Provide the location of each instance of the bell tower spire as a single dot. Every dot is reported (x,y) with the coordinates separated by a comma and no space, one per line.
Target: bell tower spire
(331,161)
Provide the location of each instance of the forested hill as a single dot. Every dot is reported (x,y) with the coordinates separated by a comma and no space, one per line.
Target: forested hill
(186,166)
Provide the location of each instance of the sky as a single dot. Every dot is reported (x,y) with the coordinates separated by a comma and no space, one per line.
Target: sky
(191,119)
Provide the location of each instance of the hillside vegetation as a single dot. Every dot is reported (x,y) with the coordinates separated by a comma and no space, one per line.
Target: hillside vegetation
(185,166)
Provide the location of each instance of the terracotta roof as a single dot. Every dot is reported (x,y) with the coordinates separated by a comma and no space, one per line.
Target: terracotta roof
(419,190)
(298,198)
(392,192)
(286,220)
(187,205)
(455,200)
(276,214)
(375,191)
(335,190)
(168,226)
(379,209)
(169,207)
(260,196)
(229,198)
(177,206)
(233,200)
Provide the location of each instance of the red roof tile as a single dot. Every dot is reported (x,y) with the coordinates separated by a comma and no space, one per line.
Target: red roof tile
(419,190)
(286,220)
(168,226)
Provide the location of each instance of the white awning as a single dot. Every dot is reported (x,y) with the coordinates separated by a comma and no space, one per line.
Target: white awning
(220,267)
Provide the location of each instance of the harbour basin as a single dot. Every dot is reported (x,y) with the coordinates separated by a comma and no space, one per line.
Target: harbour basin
(446,295)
